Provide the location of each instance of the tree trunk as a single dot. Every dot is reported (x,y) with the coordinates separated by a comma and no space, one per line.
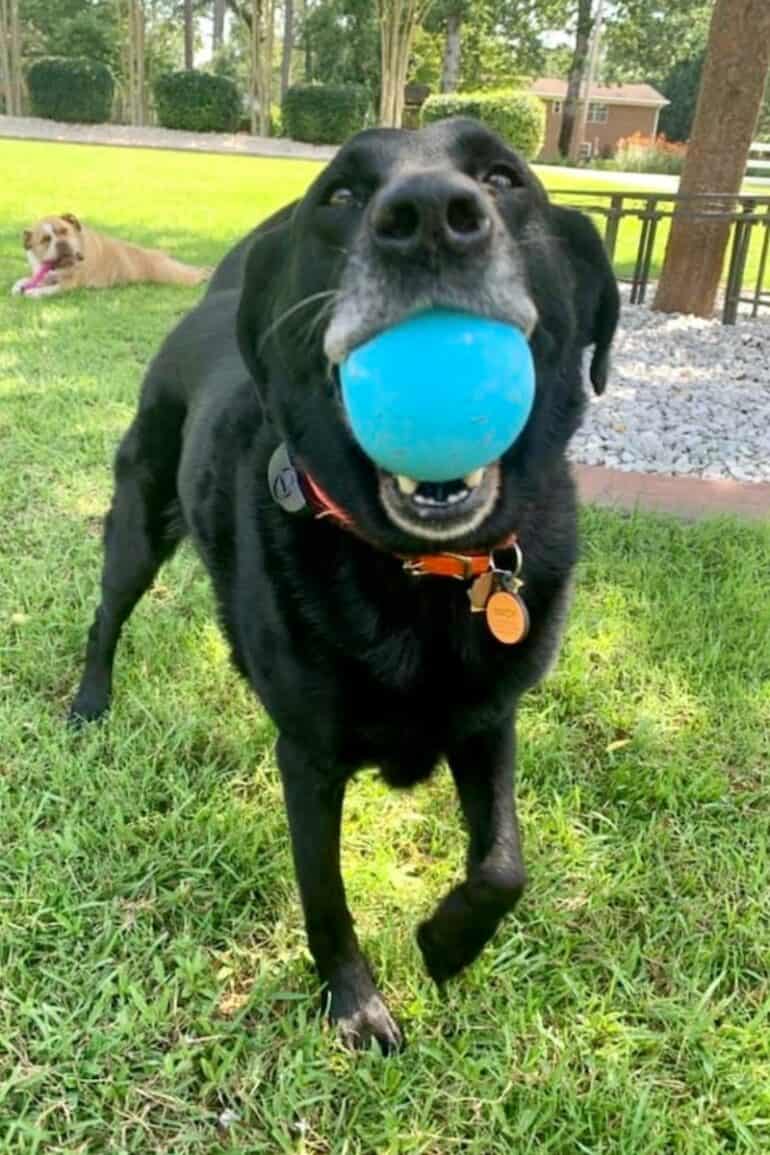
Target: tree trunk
(188,35)
(5,57)
(575,79)
(581,122)
(288,45)
(256,20)
(141,91)
(266,70)
(450,71)
(398,21)
(306,44)
(218,25)
(16,70)
(134,58)
(261,70)
(10,57)
(261,64)
(125,58)
(729,101)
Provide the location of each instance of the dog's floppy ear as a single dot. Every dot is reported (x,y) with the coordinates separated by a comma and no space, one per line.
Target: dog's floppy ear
(26,238)
(598,300)
(73,220)
(267,257)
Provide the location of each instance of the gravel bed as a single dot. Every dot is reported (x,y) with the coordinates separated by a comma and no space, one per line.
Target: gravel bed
(686,396)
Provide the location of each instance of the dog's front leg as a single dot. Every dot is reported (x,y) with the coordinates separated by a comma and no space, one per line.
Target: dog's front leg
(467,918)
(44,290)
(314,804)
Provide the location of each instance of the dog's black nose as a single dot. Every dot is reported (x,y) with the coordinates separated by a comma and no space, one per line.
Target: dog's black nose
(430,211)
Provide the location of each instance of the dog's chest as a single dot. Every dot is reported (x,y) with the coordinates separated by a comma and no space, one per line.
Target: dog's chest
(406,705)
(434,656)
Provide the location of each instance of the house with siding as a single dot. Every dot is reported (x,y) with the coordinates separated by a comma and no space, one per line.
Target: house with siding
(614,111)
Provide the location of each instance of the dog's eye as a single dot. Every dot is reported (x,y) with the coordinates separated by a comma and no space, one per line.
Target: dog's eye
(500,179)
(341,197)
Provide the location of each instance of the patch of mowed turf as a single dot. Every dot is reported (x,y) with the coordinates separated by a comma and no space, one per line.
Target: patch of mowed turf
(153,969)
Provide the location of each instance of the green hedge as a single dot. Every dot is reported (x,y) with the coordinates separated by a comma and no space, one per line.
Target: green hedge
(76,90)
(516,116)
(324,113)
(197,102)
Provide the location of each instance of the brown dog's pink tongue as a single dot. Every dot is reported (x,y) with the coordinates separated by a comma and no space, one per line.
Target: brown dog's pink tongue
(43,270)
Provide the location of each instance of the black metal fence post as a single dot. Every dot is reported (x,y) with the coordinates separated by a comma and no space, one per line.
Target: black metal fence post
(614,213)
(746,213)
(759,288)
(737,269)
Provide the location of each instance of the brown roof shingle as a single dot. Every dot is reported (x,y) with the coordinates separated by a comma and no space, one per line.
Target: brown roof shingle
(643,94)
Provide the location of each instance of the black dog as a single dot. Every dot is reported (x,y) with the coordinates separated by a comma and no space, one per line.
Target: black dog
(315,554)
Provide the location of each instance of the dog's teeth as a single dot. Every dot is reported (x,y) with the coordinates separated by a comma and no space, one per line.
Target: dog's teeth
(407,485)
(472,480)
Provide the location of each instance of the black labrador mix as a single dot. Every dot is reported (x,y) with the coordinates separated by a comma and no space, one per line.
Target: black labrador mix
(344,590)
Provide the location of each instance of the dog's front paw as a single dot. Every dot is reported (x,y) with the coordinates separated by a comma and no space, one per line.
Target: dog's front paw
(88,706)
(443,958)
(453,937)
(359,1012)
(18,288)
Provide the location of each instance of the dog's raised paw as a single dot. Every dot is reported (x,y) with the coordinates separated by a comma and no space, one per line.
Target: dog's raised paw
(444,954)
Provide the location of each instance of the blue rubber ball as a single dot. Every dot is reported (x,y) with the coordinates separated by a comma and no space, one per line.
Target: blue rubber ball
(440,395)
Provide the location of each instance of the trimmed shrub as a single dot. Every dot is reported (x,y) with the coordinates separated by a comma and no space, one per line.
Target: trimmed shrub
(516,116)
(324,113)
(639,153)
(197,102)
(76,90)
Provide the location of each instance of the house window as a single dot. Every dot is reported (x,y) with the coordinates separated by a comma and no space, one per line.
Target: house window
(556,107)
(597,113)
(586,150)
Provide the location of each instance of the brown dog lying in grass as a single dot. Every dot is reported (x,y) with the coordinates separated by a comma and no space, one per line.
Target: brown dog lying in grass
(63,254)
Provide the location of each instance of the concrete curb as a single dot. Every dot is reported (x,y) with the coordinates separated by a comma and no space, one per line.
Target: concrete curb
(691,498)
(129,136)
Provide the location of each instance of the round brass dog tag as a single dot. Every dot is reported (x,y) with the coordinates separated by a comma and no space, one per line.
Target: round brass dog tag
(507,617)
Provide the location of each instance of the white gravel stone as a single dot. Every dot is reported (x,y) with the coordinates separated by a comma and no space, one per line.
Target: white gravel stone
(686,396)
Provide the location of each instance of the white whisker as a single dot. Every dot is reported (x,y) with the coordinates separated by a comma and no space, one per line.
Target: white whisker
(325,293)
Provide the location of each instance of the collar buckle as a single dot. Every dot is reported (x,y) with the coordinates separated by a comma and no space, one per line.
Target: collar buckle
(468,566)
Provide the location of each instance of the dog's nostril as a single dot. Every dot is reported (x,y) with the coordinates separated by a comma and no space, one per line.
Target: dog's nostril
(431,214)
(466,217)
(398,222)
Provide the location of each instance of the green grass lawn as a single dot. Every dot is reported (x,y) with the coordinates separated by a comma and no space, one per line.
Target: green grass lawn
(153,968)
(219,197)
